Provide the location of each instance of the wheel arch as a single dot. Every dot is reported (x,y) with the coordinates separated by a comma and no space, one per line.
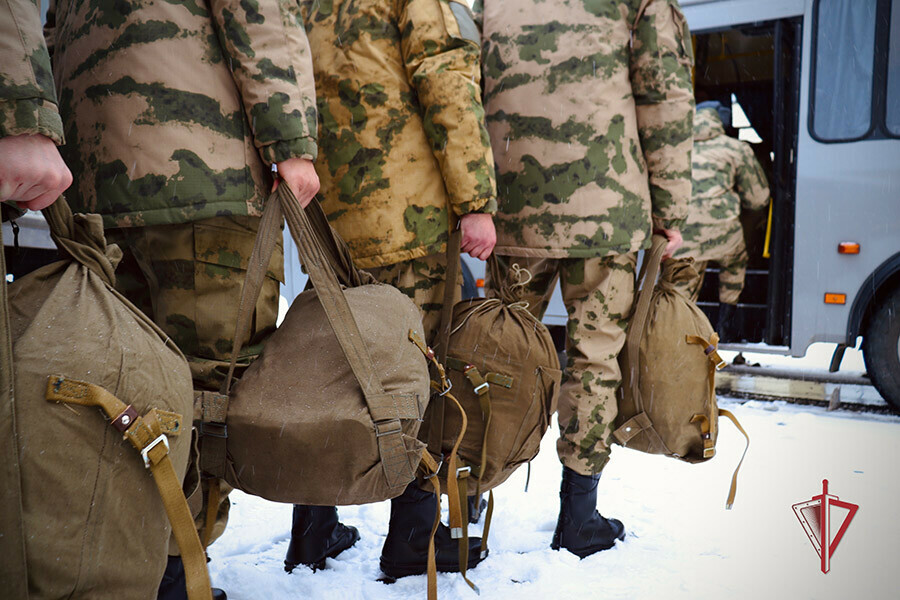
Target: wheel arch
(882,280)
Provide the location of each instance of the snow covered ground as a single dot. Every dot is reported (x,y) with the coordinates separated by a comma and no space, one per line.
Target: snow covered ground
(681,542)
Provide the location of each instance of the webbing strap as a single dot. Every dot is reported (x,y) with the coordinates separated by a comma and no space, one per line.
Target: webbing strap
(212,510)
(148,436)
(463,486)
(482,389)
(436,409)
(491,377)
(714,362)
(213,432)
(647,279)
(431,569)
(733,492)
(487,522)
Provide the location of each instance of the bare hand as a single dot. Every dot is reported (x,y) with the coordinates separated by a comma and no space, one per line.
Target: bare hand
(300,175)
(31,171)
(675,241)
(478,235)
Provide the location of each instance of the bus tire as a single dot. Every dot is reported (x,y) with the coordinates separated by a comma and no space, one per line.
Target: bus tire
(881,348)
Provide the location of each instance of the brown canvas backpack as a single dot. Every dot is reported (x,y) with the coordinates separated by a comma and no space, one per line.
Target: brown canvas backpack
(667,400)
(329,412)
(503,370)
(102,431)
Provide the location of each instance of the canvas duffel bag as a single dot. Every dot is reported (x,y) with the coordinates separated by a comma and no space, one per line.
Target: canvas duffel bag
(503,370)
(667,400)
(329,412)
(91,371)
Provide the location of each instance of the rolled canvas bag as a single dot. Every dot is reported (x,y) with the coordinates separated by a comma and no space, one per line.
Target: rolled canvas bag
(667,400)
(90,370)
(329,412)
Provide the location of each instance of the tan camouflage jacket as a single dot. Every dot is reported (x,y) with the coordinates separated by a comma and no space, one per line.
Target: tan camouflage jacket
(27,95)
(401,125)
(589,108)
(727,176)
(174,109)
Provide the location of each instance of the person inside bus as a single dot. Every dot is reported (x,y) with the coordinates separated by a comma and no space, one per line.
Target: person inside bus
(726,178)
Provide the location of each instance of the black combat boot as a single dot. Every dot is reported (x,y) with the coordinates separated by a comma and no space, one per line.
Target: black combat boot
(477,505)
(174,586)
(581,529)
(405,550)
(316,535)
(726,326)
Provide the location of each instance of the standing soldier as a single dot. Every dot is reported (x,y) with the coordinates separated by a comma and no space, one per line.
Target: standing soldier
(403,147)
(33,174)
(726,176)
(589,110)
(175,113)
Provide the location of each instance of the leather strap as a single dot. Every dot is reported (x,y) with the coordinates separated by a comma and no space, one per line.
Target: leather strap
(148,436)
(432,468)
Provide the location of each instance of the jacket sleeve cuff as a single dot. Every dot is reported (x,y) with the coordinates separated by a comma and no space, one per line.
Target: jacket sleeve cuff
(303,147)
(30,116)
(487,205)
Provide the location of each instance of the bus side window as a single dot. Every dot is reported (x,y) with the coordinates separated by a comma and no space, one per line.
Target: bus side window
(844,59)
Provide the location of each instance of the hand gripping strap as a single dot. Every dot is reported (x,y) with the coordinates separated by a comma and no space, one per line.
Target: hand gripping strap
(148,436)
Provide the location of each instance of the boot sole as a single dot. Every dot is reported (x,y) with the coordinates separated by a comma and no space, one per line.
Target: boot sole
(397,571)
(585,552)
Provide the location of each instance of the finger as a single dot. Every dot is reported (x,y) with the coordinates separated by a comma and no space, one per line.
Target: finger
(42,201)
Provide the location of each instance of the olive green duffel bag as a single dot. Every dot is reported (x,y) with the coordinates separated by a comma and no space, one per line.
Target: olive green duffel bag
(329,412)
(101,413)
(667,400)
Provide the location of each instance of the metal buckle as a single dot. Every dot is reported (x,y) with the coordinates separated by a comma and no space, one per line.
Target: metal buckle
(379,433)
(449,387)
(484,386)
(213,429)
(456,532)
(461,470)
(438,470)
(722,364)
(160,440)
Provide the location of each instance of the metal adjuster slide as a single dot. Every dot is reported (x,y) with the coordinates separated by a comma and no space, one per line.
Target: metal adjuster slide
(160,440)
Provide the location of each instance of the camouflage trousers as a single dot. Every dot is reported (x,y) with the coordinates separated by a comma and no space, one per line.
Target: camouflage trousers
(598,294)
(422,279)
(732,271)
(187,278)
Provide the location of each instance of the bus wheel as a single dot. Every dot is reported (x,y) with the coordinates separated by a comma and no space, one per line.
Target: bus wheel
(881,348)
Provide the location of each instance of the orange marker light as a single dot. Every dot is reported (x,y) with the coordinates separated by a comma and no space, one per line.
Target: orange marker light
(848,248)
(835,298)
(479,283)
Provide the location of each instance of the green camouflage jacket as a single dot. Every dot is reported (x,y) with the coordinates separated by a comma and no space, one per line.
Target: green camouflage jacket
(726,176)
(27,95)
(589,107)
(174,110)
(401,125)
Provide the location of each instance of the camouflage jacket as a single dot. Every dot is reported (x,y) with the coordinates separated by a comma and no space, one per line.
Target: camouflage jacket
(589,107)
(174,109)
(726,176)
(401,125)
(27,95)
